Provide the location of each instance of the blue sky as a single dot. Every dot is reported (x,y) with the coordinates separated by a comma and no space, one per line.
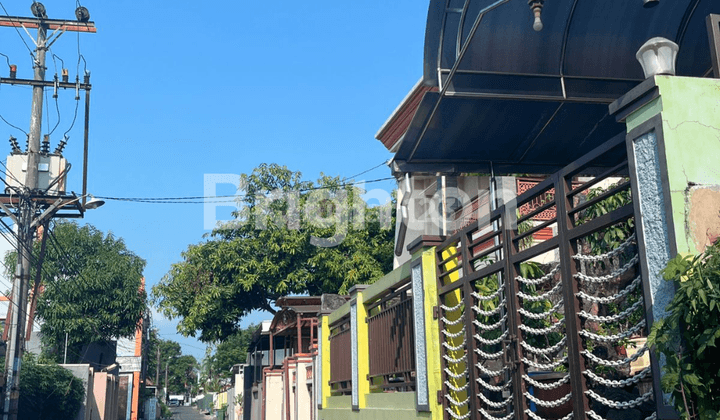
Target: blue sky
(182,89)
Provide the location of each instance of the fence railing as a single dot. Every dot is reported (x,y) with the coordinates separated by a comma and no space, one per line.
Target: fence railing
(552,329)
(340,357)
(391,340)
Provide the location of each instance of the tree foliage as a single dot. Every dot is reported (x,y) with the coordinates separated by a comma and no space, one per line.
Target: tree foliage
(231,351)
(289,237)
(92,287)
(688,336)
(182,369)
(48,392)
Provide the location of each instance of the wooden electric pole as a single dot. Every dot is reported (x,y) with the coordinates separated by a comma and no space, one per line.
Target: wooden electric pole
(29,203)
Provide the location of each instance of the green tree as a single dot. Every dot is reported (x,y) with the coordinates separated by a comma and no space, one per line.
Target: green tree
(92,288)
(231,351)
(182,374)
(289,237)
(48,392)
(159,351)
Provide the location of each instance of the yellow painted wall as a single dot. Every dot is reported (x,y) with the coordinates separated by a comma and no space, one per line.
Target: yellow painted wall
(432,332)
(363,352)
(452,300)
(325,380)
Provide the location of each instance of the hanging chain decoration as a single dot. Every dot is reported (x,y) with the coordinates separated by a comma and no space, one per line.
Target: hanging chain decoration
(618,384)
(495,311)
(565,379)
(614,338)
(448,334)
(612,318)
(615,363)
(494,388)
(615,252)
(539,280)
(544,296)
(541,315)
(491,342)
(544,352)
(455,348)
(494,404)
(489,356)
(622,405)
(536,417)
(490,417)
(548,404)
(455,416)
(617,273)
(626,291)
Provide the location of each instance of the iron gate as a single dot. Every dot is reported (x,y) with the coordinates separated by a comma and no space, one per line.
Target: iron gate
(552,329)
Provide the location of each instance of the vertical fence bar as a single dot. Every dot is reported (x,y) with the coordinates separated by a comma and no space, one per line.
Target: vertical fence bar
(472,356)
(572,304)
(513,303)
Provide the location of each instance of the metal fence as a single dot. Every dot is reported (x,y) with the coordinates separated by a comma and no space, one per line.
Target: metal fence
(391,340)
(340,357)
(555,329)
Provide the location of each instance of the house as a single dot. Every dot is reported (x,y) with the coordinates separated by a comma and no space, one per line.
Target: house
(549,164)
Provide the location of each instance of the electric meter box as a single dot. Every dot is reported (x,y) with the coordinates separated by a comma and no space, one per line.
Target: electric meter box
(50,168)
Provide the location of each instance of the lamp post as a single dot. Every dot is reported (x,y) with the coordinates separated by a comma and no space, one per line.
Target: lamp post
(165,392)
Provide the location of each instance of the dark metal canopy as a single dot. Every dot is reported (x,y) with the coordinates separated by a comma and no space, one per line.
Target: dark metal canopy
(531,101)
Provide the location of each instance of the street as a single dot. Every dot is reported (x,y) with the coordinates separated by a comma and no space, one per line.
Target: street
(187,413)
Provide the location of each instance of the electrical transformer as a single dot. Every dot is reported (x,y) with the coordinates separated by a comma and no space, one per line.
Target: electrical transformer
(52,172)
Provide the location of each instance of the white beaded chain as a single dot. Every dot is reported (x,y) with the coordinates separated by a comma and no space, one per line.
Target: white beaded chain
(618,384)
(548,386)
(612,318)
(493,387)
(548,404)
(616,337)
(608,255)
(536,417)
(540,315)
(544,296)
(614,274)
(489,417)
(539,280)
(546,351)
(626,291)
(623,405)
(615,363)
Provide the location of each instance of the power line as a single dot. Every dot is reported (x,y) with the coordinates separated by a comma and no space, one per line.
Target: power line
(366,171)
(13,126)
(19,34)
(6,58)
(193,200)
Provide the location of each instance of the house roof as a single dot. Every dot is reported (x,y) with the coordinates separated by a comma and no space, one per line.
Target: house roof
(530,101)
(395,127)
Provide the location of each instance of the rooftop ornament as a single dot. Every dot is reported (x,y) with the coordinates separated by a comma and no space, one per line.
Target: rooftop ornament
(657,56)
(536,7)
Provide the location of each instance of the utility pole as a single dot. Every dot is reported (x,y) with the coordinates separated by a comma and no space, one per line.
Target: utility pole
(31,202)
(165,397)
(157,374)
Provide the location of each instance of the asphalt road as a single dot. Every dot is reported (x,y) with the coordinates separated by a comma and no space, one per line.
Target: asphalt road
(187,413)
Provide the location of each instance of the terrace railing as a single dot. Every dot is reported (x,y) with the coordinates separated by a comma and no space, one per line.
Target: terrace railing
(391,340)
(340,357)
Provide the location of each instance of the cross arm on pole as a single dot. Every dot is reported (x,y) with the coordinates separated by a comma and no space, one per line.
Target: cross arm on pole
(54,24)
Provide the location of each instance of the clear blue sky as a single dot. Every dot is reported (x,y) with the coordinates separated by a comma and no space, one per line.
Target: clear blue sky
(182,89)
